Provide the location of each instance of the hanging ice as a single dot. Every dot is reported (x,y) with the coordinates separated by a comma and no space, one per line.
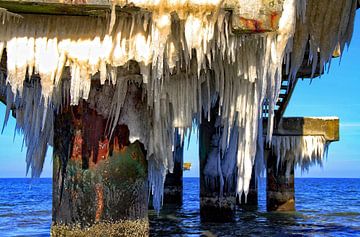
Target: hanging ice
(188,60)
(302,151)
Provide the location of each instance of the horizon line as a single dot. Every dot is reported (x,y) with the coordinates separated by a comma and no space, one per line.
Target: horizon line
(197,177)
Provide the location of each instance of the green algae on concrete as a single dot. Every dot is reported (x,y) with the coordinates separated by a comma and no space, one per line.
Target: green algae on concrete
(114,189)
(131,228)
(100,184)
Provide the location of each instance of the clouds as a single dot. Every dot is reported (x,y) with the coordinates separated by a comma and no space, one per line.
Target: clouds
(350,125)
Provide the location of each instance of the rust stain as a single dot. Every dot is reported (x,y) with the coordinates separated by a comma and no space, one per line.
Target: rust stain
(121,139)
(123,133)
(118,147)
(274,19)
(100,201)
(134,156)
(76,153)
(103,150)
(252,25)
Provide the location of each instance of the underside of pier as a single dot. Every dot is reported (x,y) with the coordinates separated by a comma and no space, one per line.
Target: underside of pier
(115,86)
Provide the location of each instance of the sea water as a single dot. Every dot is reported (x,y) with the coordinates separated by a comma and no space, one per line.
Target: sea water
(325,207)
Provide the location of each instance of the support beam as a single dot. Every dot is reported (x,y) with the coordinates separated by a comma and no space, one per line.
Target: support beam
(217,186)
(309,126)
(100,183)
(279,185)
(254,18)
(173,188)
(280,174)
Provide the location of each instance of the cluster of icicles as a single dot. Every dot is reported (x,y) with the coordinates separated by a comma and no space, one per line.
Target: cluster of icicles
(188,61)
(7,16)
(302,151)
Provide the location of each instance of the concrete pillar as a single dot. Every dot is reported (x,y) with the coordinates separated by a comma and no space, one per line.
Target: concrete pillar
(100,183)
(279,185)
(217,187)
(252,197)
(173,188)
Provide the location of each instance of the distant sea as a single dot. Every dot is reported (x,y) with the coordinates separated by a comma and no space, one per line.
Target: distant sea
(325,207)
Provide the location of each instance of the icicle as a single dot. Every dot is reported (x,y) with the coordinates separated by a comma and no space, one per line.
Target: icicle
(156,178)
(302,151)
(5,15)
(9,104)
(326,27)
(240,71)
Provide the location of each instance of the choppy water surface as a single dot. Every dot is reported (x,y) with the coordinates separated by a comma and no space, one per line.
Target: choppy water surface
(25,207)
(325,207)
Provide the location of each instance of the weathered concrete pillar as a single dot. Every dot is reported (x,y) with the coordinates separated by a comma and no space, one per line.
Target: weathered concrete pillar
(99,183)
(173,189)
(217,175)
(280,178)
(279,185)
(252,197)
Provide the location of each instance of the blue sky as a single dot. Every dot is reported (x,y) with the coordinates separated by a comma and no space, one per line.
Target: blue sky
(334,94)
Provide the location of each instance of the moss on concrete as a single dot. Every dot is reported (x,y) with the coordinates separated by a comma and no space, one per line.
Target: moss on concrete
(124,228)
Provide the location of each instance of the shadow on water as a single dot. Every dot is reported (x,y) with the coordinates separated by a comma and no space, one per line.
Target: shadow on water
(175,221)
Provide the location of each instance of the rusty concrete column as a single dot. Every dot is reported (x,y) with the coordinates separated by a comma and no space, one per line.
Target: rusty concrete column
(252,197)
(217,186)
(173,188)
(279,185)
(100,185)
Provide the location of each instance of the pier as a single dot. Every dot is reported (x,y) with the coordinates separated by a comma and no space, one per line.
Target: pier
(115,87)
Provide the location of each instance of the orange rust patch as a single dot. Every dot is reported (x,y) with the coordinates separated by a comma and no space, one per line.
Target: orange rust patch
(100,201)
(76,153)
(119,147)
(103,152)
(252,25)
(134,156)
(274,20)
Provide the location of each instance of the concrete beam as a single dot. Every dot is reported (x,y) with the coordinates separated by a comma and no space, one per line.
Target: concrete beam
(246,17)
(250,16)
(280,178)
(58,7)
(309,126)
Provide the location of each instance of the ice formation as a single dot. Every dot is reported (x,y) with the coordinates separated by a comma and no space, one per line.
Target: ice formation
(302,151)
(188,58)
(7,16)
